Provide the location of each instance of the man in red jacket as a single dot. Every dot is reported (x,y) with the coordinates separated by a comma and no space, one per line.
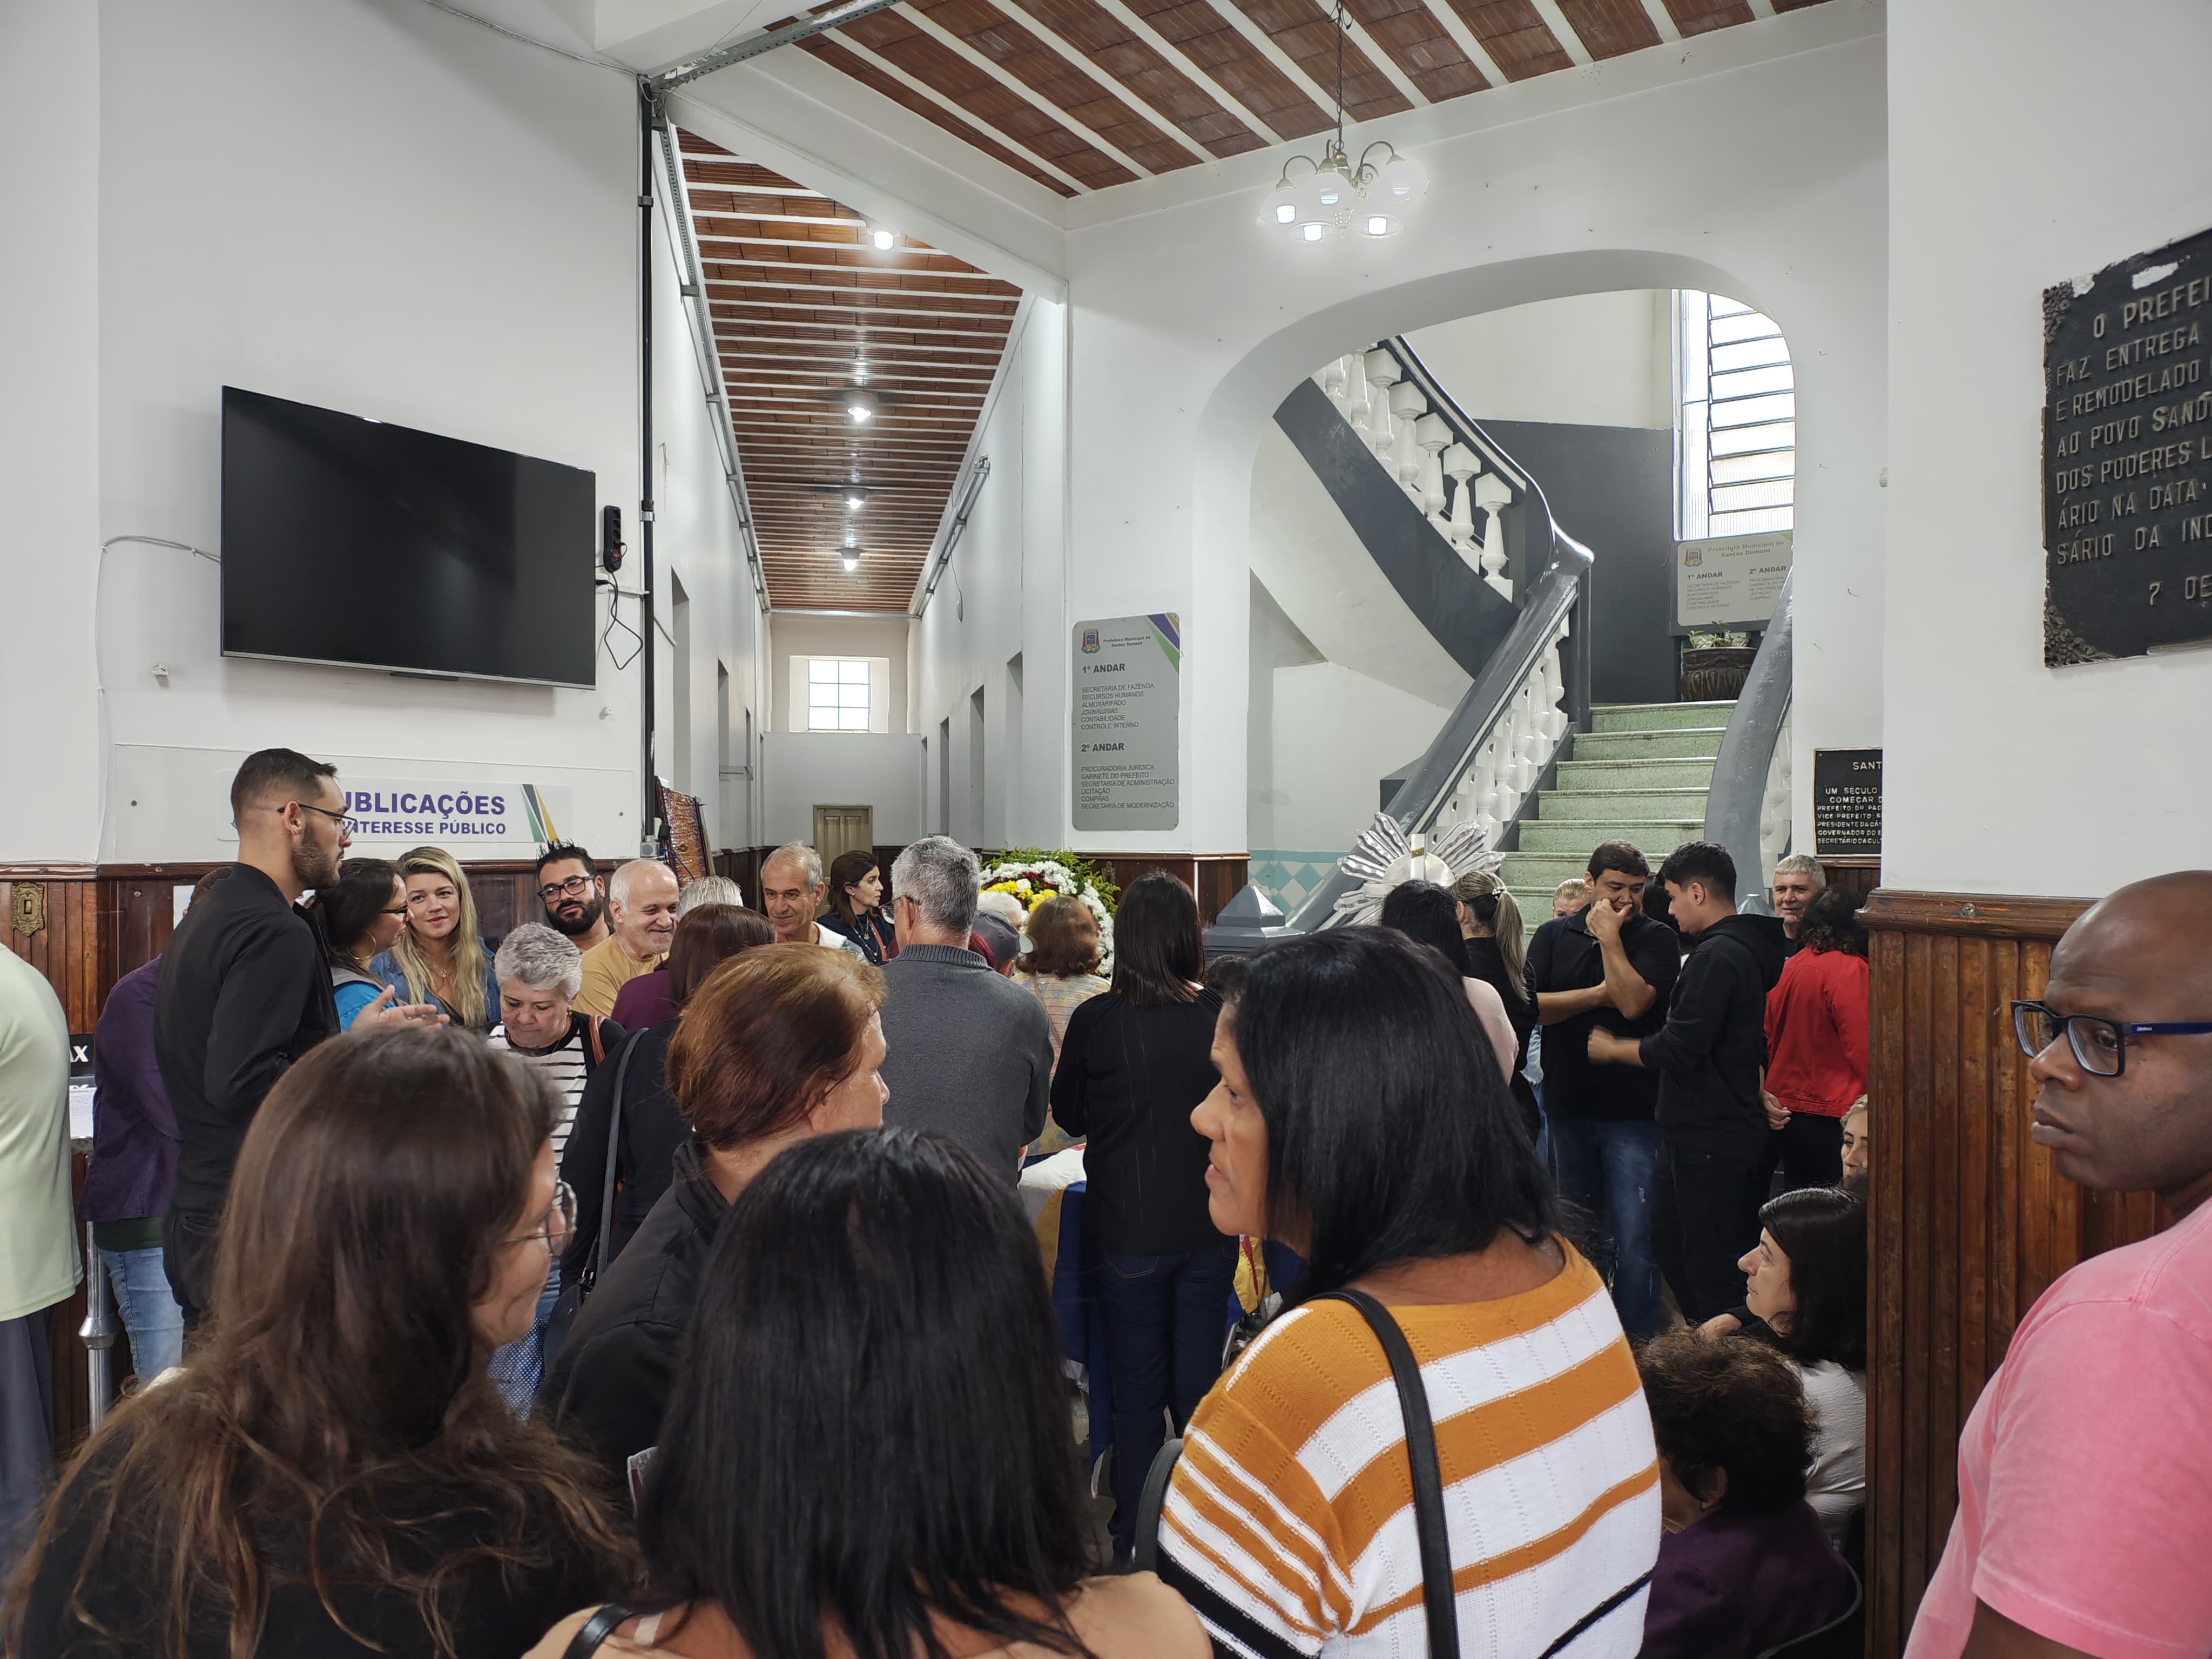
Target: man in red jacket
(1816,1039)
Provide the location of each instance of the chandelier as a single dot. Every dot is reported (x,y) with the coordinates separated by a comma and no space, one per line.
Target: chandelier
(1316,200)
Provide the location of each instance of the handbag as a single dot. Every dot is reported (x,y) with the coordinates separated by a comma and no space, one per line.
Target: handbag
(1437,1595)
(570,1301)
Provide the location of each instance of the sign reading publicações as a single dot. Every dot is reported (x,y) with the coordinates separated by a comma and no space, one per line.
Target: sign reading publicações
(482,813)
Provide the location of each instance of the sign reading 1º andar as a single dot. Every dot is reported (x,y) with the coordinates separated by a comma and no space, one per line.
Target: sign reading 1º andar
(1126,716)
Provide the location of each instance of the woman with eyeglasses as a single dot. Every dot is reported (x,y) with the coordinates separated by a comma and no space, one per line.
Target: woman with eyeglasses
(440,958)
(333,1472)
(362,917)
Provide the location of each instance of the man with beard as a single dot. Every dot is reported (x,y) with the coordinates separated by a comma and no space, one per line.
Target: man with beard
(245,990)
(574,898)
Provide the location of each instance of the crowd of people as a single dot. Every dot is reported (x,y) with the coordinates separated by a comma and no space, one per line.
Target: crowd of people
(655,1278)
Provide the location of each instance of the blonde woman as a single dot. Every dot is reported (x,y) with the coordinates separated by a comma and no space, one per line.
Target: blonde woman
(440,958)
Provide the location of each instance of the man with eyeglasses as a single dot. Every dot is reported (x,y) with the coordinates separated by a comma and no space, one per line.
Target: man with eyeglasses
(245,990)
(2084,1473)
(574,898)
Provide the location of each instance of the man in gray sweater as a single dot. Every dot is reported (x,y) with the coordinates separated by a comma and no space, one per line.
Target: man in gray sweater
(970,1053)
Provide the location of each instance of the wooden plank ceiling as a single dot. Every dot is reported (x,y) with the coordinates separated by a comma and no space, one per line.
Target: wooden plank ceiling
(806,310)
(1084,94)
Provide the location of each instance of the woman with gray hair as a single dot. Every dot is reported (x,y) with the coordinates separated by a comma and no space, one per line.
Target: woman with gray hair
(540,971)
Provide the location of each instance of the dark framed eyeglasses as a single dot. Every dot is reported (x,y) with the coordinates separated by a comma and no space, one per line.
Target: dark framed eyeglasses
(344,821)
(575,887)
(2099,1045)
(558,1221)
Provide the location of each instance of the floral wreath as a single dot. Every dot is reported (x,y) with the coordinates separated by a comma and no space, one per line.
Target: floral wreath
(1033,876)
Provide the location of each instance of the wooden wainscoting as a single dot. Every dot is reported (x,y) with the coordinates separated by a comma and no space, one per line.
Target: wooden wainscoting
(1215,877)
(1970,1221)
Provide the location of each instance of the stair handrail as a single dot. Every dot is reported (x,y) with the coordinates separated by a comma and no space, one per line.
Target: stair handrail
(1554,613)
(1752,751)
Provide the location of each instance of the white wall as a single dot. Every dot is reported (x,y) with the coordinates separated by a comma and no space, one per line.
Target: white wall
(1311,560)
(49,107)
(1003,598)
(793,633)
(412,218)
(1762,177)
(2003,775)
(1337,734)
(807,769)
(1587,360)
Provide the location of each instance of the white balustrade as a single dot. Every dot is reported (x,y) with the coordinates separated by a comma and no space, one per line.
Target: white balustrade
(1776,809)
(1382,373)
(1506,765)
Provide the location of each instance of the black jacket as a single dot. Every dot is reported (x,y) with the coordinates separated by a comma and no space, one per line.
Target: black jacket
(1565,956)
(652,1130)
(1709,1055)
(607,1389)
(1486,962)
(244,991)
(1127,1078)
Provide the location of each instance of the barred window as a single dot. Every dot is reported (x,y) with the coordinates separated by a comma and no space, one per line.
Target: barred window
(1736,439)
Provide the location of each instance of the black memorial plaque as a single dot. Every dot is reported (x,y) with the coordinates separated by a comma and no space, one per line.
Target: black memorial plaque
(2127,464)
(1847,803)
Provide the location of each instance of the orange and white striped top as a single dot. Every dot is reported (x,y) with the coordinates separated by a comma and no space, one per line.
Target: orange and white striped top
(1289,1524)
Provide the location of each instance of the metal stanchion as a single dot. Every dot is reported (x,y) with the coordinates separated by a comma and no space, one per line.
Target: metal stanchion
(98,1330)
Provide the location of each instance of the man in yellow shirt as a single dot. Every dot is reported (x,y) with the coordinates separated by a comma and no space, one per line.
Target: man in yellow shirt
(642,906)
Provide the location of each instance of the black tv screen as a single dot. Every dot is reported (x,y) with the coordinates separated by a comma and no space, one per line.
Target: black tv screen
(348,540)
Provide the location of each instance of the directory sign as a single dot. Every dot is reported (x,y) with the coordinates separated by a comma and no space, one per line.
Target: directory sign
(1730,581)
(1126,716)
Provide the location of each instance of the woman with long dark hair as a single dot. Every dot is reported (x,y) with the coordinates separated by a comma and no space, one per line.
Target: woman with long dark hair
(333,1471)
(1358,1120)
(1133,1064)
(363,915)
(867,1449)
(856,906)
(653,1125)
(1428,915)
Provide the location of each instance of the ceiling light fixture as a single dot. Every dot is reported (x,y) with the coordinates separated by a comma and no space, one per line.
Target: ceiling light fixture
(1315,200)
(882,237)
(855,500)
(860,405)
(850,559)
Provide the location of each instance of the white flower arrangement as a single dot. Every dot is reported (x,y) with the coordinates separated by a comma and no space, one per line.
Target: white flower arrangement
(1033,878)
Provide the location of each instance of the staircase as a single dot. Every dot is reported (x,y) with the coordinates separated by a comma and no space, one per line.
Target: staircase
(1640,774)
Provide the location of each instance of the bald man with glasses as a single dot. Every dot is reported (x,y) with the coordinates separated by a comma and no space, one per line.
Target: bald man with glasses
(2085,1474)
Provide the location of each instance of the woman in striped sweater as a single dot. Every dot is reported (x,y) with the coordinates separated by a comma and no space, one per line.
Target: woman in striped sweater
(1356,1122)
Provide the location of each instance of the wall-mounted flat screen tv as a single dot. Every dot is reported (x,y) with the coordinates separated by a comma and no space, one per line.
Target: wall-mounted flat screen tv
(352,541)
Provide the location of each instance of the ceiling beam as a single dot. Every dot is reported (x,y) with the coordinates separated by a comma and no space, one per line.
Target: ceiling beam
(1151,37)
(1562,31)
(1467,40)
(915,84)
(1232,14)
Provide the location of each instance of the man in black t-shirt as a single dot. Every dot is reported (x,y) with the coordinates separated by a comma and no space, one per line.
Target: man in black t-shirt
(1606,966)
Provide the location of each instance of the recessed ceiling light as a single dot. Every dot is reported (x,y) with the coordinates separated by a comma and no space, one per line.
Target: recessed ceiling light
(885,240)
(855,500)
(860,405)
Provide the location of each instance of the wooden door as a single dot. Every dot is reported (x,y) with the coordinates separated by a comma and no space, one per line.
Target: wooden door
(842,829)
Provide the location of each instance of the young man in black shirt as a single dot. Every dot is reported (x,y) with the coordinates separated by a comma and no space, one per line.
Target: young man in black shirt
(1713,1159)
(1606,967)
(245,990)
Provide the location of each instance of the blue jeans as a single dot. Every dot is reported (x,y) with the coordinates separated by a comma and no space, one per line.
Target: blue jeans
(1605,1168)
(148,1308)
(1165,1319)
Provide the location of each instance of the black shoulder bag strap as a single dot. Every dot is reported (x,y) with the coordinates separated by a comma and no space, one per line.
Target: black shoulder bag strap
(1437,1593)
(614,1145)
(595,1630)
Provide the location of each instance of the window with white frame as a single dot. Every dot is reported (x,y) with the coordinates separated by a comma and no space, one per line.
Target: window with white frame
(840,694)
(1736,470)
